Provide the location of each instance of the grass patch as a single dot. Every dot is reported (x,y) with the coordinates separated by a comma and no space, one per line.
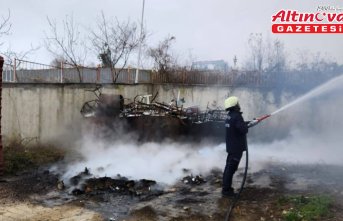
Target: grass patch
(19,157)
(305,208)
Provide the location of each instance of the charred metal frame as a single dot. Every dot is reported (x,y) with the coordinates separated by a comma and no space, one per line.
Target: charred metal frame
(152,108)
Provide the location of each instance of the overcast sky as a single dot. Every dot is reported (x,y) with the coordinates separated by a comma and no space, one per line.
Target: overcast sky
(209,29)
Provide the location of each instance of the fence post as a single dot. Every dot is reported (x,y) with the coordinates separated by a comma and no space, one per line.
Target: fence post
(128,75)
(15,70)
(82,77)
(98,74)
(80,72)
(137,75)
(1,150)
(61,80)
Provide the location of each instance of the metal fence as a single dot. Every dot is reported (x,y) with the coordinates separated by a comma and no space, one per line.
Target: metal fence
(233,78)
(21,71)
(8,73)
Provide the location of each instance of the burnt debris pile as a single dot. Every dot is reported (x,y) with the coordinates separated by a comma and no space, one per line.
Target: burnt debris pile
(164,119)
(85,183)
(193,180)
(107,105)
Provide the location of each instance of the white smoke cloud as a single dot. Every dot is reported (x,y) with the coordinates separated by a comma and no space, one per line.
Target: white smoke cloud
(311,134)
(299,148)
(312,127)
(163,162)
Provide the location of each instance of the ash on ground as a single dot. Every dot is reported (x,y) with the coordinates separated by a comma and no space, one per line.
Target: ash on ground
(193,197)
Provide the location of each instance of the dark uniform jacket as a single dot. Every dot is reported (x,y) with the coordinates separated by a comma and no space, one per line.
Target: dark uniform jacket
(236,131)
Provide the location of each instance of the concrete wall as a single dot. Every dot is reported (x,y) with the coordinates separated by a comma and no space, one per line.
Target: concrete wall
(252,100)
(44,110)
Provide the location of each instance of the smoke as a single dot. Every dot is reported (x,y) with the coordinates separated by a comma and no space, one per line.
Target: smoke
(301,147)
(165,162)
(311,129)
(310,134)
(330,85)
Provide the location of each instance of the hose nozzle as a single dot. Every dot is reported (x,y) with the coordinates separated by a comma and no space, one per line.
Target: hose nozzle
(259,119)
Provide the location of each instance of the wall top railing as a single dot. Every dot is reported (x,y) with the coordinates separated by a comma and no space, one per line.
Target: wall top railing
(22,71)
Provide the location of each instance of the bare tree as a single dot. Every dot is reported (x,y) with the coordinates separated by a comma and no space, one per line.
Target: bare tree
(316,65)
(188,60)
(266,54)
(302,62)
(10,55)
(115,41)
(276,57)
(67,44)
(162,56)
(5,25)
(57,61)
(255,43)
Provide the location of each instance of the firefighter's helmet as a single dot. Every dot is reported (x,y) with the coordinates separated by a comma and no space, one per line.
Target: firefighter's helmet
(230,102)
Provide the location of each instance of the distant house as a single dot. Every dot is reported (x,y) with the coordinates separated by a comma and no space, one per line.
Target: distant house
(217,65)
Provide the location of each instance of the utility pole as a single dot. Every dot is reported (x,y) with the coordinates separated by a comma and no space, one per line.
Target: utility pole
(140,46)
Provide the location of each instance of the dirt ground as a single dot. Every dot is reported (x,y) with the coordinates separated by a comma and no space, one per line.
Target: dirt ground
(29,211)
(34,196)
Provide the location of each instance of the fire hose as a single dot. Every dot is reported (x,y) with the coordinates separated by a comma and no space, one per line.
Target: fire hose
(236,198)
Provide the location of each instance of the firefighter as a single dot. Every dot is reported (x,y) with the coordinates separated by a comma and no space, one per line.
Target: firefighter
(236,142)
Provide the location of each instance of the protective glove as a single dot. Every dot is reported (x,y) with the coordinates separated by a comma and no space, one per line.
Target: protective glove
(253,123)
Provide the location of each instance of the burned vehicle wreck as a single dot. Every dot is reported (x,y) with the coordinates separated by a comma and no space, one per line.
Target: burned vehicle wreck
(155,121)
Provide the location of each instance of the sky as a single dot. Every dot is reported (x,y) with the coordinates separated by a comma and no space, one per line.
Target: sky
(204,29)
